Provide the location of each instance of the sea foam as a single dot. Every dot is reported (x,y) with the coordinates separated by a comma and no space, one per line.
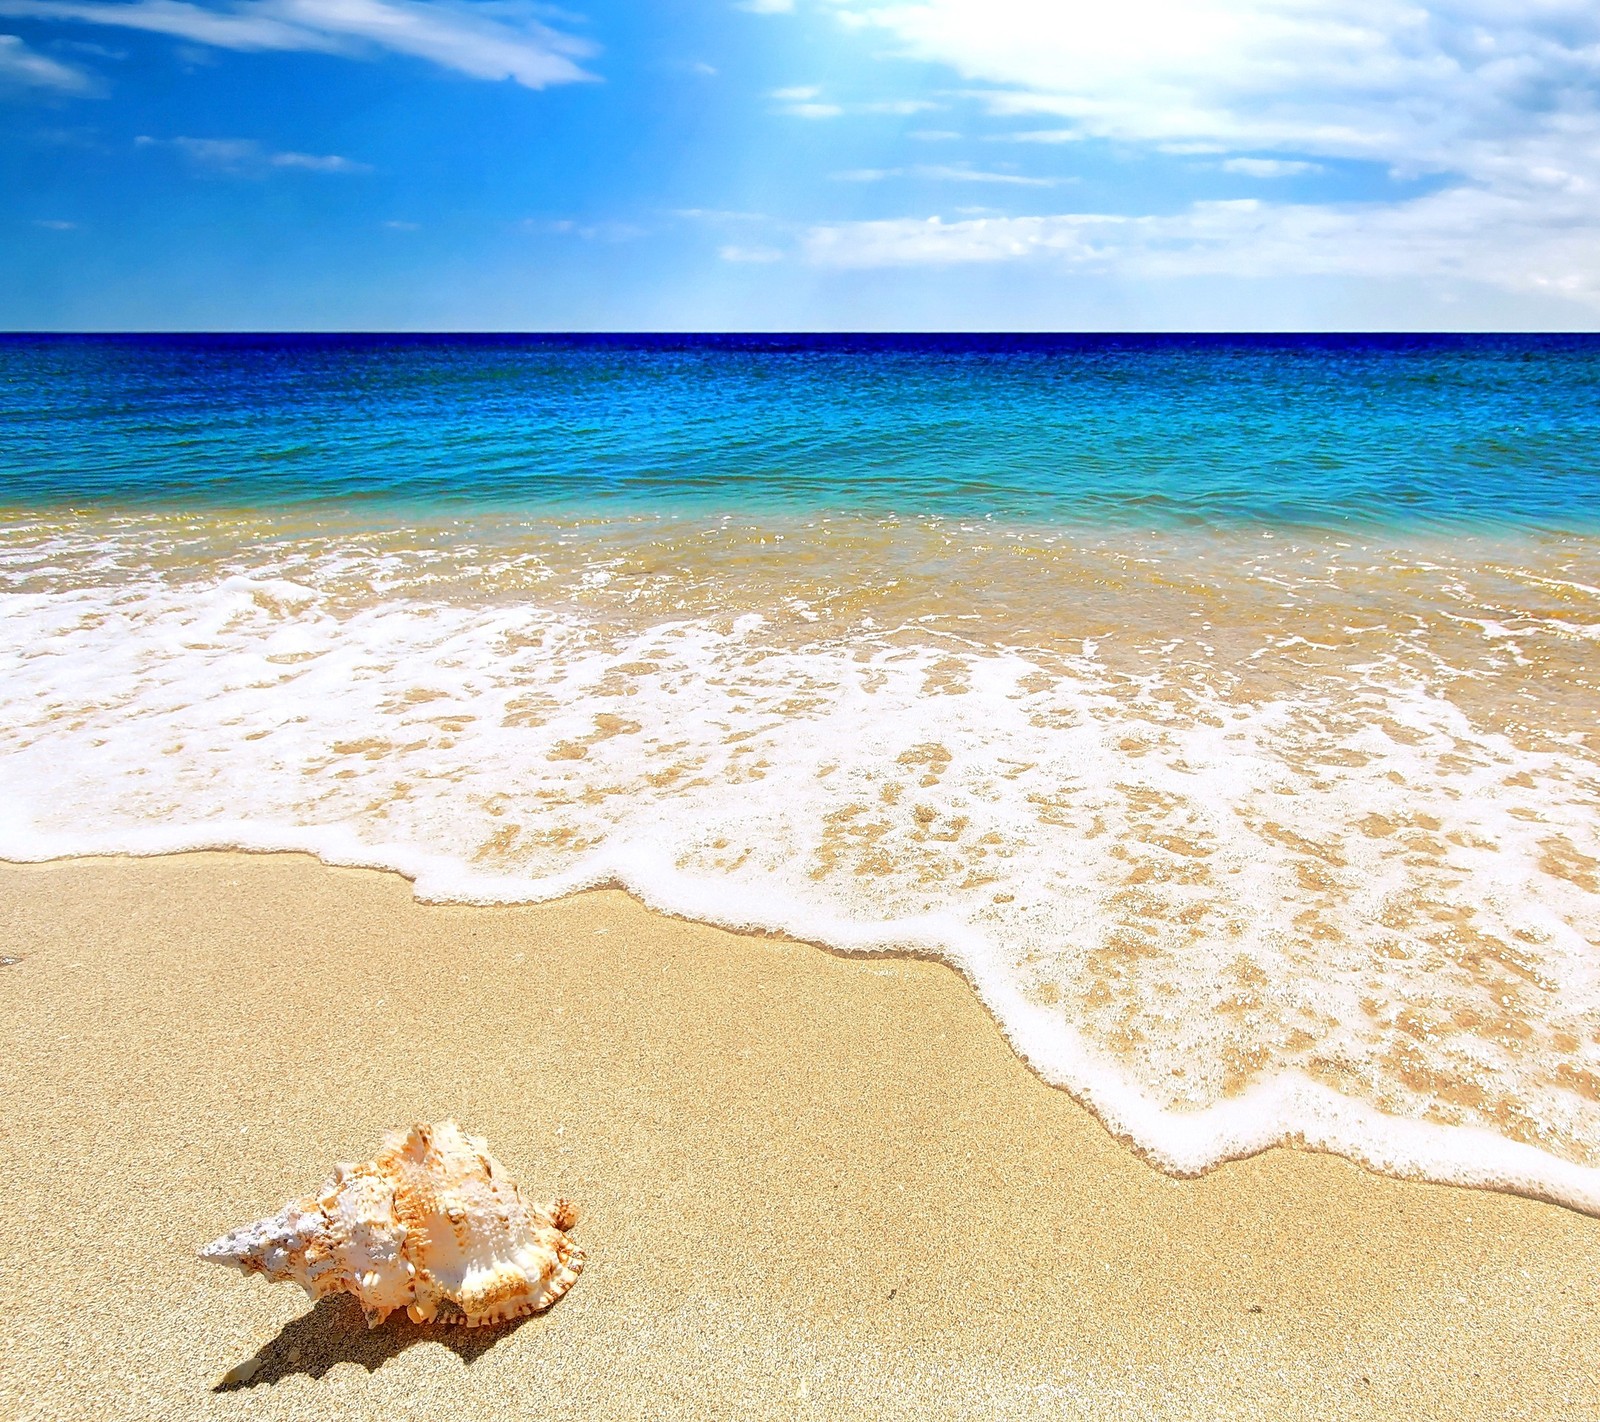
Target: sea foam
(1293,853)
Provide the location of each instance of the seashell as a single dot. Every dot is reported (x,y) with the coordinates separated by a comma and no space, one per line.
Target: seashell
(431,1225)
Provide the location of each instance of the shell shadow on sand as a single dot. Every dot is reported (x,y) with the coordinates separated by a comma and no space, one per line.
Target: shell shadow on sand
(334,1331)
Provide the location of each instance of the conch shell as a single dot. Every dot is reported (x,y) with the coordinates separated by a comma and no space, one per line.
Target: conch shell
(432,1225)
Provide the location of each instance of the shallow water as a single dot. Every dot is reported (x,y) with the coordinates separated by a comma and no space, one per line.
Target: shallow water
(1226,711)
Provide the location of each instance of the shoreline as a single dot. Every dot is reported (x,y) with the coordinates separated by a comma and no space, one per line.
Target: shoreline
(1292,1111)
(810,1181)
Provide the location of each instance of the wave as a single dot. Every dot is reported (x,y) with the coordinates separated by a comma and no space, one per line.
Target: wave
(1240,843)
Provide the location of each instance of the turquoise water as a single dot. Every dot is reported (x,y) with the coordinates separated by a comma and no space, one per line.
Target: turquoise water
(1227,711)
(1355,432)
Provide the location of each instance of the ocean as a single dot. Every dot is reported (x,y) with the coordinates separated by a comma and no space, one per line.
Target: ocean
(1224,709)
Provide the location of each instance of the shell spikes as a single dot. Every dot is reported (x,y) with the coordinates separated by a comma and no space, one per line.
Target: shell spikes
(431,1225)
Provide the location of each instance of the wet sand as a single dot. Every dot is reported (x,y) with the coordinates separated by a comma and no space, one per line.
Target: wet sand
(812,1185)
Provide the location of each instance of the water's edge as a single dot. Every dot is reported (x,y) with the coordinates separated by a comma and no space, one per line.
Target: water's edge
(1289,1110)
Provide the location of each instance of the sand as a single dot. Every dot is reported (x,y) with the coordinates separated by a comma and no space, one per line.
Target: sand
(813,1186)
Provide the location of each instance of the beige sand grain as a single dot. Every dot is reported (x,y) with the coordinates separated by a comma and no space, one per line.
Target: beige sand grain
(814,1187)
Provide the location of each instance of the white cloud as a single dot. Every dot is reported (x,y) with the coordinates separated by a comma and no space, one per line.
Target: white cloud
(1269,167)
(718,214)
(801,101)
(317,163)
(913,242)
(767,7)
(1496,101)
(945,173)
(55,224)
(501,40)
(959,173)
(749,254)
(1456,234)
(21,65)
(1358,78)
(246,157)
(1042,135)
(588,231)
(806,101)
(898,106)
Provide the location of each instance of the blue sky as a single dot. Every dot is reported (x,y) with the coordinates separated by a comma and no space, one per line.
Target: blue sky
(799,164)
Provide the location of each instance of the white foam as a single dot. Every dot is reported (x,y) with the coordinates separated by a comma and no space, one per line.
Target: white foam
(1221,921)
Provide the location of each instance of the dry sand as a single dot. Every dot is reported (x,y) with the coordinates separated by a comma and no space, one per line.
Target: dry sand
(813,1186)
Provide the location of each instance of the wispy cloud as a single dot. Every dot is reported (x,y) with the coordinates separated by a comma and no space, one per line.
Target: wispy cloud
(766,7)
(803,101)
(20,65)
(1040,135)
(317,163)
(1270,167)
(586,231)
(1353,78)
(757,254)
(246,157)
(1455,234)
(55,224)
(1497,101)
(499,40)
(718,214)
(897,106)
(946,173)
(807,101)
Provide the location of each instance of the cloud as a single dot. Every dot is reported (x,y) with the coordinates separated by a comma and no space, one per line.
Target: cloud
(1355,78)
(898,106)
(317,163)
(55,224)
(499,40)
(806,101)
(766,7)
(20,65)
(1269,167)
(749,254)
(718,214)
(1495,102)
(935,242)
(587,231)
(945,173)
(100,51)
(1042,135)
(800,101)
(1452,235)
(246,157)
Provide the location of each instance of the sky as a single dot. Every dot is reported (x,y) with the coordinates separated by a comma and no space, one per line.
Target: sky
(800,165)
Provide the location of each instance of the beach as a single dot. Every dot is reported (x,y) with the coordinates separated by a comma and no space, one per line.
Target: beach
(811,1184)
(1007,878)
(1223,711)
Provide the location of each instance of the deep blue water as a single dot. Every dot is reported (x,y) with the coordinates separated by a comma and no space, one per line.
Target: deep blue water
(1376,432)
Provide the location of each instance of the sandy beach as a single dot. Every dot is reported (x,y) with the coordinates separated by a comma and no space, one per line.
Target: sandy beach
(811,1185)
